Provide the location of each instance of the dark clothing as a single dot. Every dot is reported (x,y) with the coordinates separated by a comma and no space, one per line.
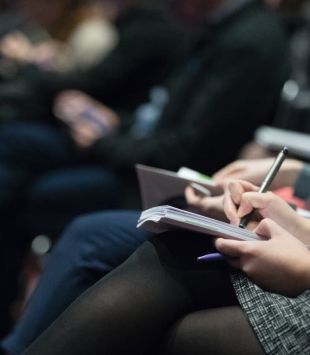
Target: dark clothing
(148,49)
(147,305)
(228,85)
(44,184)
(90,247)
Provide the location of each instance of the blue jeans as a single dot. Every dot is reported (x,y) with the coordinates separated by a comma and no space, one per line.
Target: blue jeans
(44,183)
(90,247)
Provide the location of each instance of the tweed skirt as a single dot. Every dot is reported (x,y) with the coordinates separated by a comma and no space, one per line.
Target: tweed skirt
(281,324)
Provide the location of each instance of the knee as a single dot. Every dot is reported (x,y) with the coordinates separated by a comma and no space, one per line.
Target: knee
(81,230)
(103,235)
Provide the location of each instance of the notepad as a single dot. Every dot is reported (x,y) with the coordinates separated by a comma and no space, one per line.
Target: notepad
(159,185)
(165,218)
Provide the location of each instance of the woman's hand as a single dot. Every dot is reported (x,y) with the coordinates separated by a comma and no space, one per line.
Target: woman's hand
(210,206)
(280,264)
(254,171)
(241,197)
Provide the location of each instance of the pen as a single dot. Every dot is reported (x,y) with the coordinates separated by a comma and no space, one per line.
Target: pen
(267,181)
(211,257)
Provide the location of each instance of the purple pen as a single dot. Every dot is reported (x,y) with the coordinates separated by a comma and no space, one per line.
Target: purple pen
(211,257)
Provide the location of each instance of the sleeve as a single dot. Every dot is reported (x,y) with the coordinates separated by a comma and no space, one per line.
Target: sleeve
(233,92)
(302,185)
(125,73)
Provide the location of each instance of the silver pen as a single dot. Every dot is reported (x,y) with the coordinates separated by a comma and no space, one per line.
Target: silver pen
(267,181)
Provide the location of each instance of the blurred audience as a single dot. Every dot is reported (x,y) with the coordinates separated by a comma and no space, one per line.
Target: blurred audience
(144,56)
(227,84)
(148,40)
(294,109)
(76,34)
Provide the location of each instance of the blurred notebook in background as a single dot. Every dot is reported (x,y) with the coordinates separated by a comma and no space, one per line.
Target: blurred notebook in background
(164,218)
(275,138)
(158,185)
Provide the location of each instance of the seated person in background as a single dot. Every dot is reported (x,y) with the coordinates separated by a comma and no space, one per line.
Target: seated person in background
(162,301)
(227,75)
(94,245)
(78,35)
(148,47)
(31,151)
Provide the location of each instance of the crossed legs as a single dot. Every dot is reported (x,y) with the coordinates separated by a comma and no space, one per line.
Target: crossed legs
(159,301)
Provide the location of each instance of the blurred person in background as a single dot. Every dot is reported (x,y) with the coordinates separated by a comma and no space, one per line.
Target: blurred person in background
(66,35)
(148,48)
(294,109)
(227,84)
(30,95)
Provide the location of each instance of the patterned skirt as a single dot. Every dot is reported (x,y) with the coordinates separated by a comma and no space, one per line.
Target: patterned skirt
(281,324)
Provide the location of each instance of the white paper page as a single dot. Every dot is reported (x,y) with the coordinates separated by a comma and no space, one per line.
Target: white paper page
(158,219)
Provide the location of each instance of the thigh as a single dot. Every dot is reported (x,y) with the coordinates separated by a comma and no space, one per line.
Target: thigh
(208,284)
(26,151)
(217,331)
(89,248)
(125,312)
(55,198)
(34,147)
(130,309)
(99,242)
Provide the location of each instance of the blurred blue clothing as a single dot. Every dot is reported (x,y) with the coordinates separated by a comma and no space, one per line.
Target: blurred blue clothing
(43,185)
(91,246)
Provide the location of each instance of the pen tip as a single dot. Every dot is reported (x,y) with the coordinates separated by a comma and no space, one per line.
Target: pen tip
(285,150)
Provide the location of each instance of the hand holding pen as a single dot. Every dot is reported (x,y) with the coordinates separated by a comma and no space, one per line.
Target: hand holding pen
(267,181)
(236,204)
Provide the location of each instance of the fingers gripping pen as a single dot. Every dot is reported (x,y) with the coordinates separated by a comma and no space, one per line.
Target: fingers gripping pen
(267,181)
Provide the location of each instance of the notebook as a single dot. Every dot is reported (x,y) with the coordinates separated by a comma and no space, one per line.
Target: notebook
(165,218)
(160,185)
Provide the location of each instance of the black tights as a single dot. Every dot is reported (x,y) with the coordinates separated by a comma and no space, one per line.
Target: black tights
(160,301)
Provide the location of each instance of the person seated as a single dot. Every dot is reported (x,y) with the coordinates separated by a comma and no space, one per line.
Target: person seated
(94,245)
(46,176)
(75,35)
(146,37)
(162,301)
(38,158)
